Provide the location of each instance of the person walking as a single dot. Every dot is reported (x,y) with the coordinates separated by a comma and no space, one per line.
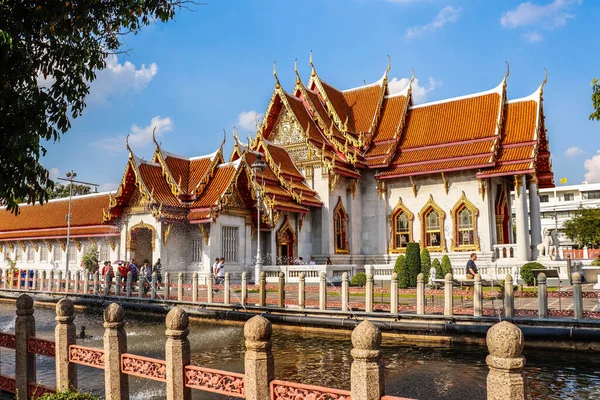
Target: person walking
(471,269)
(135,272)
(221,271)
(146,276)
(157,268)
(215,270)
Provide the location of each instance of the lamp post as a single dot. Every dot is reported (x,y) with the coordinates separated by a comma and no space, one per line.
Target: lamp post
(71,175)
(258,166)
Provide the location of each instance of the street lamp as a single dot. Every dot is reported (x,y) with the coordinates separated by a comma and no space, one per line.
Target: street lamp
(258,166)
(71,175)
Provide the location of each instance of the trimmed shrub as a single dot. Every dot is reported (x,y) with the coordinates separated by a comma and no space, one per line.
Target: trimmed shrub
(446,266)
(400,269)
(527,273)
(413,262)
(67,396)
(438,268)
(425,264)
(359,279)
(596,262)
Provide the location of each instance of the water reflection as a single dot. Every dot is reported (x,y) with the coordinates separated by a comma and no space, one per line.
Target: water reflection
(417,371)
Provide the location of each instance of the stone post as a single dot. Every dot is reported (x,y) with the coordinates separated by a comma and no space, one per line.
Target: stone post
(118,283)
(420,294)
(569,271)
(86,277)
(369,293)
(195,287)
(226,290)
(96,283)
(322,292)
(177,354)
(58,281)
(50,280)
(167,289)
(366,374)
(4,274)
(505,379)
(244,296)
(141,286)
(577,297)
(542,296)
(42,281)
(345,302)
(36,277)
(154,283)
(70,277)
(19,286)
(76,283)
(262,290)
(180,286)
(106,283)
(259,370)
(64,336)
(477,297)
(281,291)
(448,299)
(209,289)
(394,294)
(301,291)
(509,297)
(116,384)
(24,361)
(128,282)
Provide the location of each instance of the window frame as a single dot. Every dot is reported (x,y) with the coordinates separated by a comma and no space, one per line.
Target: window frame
(462,204)
(392,218)
(431,205)
(340,236)
(228,250)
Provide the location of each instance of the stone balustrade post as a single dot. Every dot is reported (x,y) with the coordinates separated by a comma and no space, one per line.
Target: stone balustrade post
(167,288)
(24,360)
(302,291)
(58,281)
(366,374)
(118,283)
(209,288)
(107,283)
(569,271)
(394,294)
(180,286)
(27,280)
(142,286)
(477,297)
(258,360)
(76,283)
(36,276)
(322,292)
(244,295)
(19,286)
(86,278)
(577,296)
(420,294)
(262,290)
(509,297)
(68,278)
(4,274)
(177,354)
(153,286)
(128,283)
(64,336)
(448,299)
(50,280)
(195,287)
(345,298)
(42,281)
(505,379)
(369,293)
(542,296)
(226,290)
(116,384)
(96,283)
(281,291)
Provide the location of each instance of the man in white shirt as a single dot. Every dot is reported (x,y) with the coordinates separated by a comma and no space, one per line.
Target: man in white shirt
(312,261)
(221,271)
(215,270)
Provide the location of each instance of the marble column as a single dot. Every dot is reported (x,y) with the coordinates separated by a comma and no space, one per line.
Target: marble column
(535,217)
(523,248)
(177,354)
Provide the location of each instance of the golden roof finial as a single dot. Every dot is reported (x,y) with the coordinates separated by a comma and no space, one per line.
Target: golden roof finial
(154,137)
(545,77)
(224,137)
(389,64)
(507,70)
(298,80)
(310,60)
(234,132)
(127,146)
(412,77)
(277,84)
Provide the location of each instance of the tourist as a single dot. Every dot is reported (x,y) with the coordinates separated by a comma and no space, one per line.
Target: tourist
(471,269)
(327,261)
(82,332)
(147,275)
(221,272)
(156,268)
(107,274)
(215,270)
(300,261)
(312,261)
(123,270)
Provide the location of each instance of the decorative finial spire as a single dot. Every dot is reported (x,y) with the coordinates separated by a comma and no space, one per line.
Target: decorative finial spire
(296,72)
(545,77)
(127,146)
(234,132)
(224,137)
(310,60)
(154,137)
(507,70)
(389,64)
(277,84)
(412,77)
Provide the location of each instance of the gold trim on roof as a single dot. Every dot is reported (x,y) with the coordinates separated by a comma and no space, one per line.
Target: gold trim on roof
(77,244)
(205,230)
(35,245)
(446,188)
(414,186)
(167,233)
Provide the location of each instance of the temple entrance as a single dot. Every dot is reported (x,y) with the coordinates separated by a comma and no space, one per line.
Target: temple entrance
(141,243)
(502,216)
(286,243)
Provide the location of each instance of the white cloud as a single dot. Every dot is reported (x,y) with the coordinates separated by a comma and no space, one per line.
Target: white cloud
(446,15)
(533,37)
(109,187)
(573,151)
(593,167)
(247,120)
(549,16)
(419,93)
(54,173)
(138,136)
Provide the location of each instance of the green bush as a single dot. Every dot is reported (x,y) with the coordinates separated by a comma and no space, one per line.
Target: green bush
(596,262)
(425,264)
(359,279)
(402,272)
(438,268)
(413,262)
(446,266)
(68,396)
(527,273)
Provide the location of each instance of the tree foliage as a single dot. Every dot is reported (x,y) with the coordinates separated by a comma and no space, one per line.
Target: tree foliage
(90,259)
(425,264)
(584,227)
(60,190)
(62,44)
(527,272)
(413,262)
(67,396)
(402,272)
(446,266)
(595,99)
(438,268)
(360,279)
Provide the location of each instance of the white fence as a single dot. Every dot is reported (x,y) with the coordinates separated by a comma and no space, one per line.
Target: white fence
(333,273)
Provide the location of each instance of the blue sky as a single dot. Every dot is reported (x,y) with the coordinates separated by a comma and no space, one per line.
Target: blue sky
(211,69)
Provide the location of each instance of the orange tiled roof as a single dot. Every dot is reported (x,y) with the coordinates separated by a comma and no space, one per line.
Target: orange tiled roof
(445,166)
(447,151)
(152,176)
(222,179)
(363,104)
(392,116)
(76,232)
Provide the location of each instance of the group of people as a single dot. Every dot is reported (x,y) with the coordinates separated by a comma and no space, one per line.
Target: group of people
(125,268)
(218,270)
(312,261)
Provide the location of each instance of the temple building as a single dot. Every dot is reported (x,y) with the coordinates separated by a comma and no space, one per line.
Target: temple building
(353,175)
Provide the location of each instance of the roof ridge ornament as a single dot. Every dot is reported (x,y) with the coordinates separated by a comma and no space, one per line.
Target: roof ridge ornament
(312,65)
(298,81)
(277,84)
(507,70)
(544,82)
(127,146)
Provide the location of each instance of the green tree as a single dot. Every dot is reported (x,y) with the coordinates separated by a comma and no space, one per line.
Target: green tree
(402,272)
(413,262)
(527,272)
(90,259)
(63,43)
(446,266)
(595,99)
(438,268)
(425,264)
(61,190)
(360,279)
(584,227)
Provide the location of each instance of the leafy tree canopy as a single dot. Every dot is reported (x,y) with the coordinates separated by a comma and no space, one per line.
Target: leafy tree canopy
(64,43)
(595,99)
(584,228)
(60,190)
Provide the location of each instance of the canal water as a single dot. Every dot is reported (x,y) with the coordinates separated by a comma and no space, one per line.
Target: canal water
(416,371)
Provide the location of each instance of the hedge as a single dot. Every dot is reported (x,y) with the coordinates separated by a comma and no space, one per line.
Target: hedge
(425,264)
(360,279)
(596,262)
(67,396)
(438,268)
(413,262)
(446,266)
(527,273)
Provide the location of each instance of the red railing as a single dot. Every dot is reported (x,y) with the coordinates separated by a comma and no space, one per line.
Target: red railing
(86,356)
(7,340)
(41,347)
(212,380)
(8,384)
(282,390)
(36,390)
(575,254)
(144,367)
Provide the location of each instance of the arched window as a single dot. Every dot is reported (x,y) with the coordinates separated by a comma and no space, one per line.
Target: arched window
(432,226)
(464,221)
(401,220)
(340,227)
